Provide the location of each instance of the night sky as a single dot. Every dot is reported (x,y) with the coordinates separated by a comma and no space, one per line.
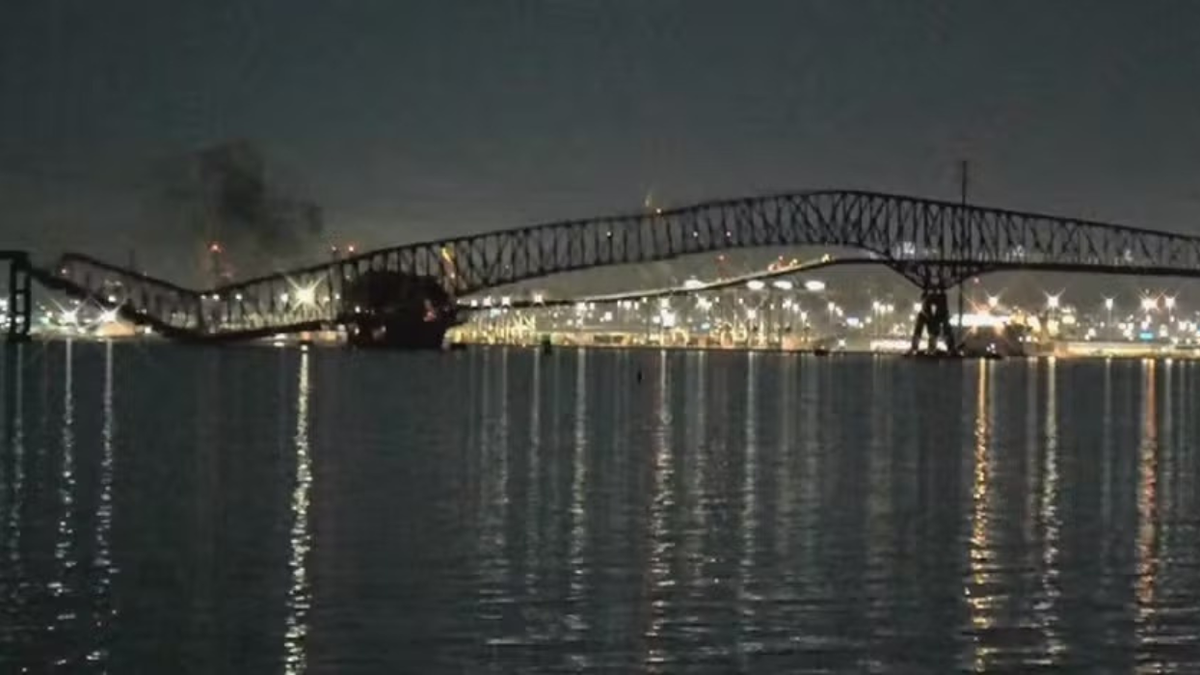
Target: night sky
(411,119)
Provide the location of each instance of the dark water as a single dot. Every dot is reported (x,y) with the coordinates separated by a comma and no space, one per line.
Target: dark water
(253,510)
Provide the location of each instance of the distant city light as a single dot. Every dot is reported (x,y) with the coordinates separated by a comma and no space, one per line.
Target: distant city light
(814,286)
(755,285)
(692,283)
(783,285)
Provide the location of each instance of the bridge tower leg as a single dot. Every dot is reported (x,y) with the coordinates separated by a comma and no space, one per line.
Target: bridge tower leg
(935,279)
(20,300)
(933,320)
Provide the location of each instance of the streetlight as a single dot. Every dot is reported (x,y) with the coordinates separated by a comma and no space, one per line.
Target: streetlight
(1149,304)
(1108,305)
(1051,301)
(993,301)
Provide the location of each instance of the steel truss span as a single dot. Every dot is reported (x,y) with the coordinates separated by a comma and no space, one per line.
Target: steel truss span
(935,244)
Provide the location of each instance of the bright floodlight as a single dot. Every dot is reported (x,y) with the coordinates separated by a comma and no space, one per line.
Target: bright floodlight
(1108,303)
(993,300)
(1052,301)
(1170,302)
(70,317)
(783,285)
(306,295)
(814,286)
(693,282)
(1149,304)
(755,285)
(108,316)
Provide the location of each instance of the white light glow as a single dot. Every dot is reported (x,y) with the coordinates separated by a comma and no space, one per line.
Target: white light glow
(306,295)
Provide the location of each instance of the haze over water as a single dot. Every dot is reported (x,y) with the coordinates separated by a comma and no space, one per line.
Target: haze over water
(168,509)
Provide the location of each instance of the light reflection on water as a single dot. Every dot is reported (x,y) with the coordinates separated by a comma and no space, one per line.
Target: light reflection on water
(259,510)
(299,593)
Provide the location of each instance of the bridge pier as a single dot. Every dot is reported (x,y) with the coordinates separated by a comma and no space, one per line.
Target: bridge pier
(936,279)
(933,320)
(20,298)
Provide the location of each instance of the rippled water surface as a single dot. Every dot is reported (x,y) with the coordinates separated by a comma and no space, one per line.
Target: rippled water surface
(165,509)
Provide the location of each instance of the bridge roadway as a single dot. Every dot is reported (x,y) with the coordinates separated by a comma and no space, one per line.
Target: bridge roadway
(934,244)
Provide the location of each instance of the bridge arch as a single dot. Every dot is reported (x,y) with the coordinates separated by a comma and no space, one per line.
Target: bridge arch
(935,244)
(931,242)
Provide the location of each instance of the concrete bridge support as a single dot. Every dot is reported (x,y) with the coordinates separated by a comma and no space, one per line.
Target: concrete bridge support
(933,320)
(937,279)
